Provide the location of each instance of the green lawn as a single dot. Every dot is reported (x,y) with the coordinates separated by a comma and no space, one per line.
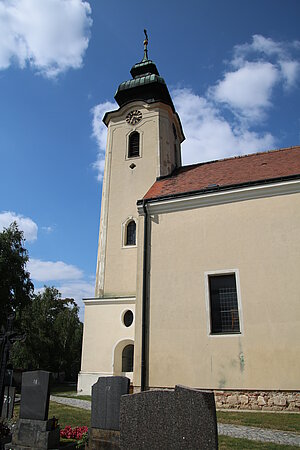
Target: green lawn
(68,415)
(275,421)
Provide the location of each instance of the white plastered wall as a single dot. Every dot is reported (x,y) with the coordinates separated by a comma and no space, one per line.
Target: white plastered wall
(260,240)
(106,335)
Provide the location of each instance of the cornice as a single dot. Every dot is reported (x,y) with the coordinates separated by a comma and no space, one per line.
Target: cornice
(109,301)
(219,198)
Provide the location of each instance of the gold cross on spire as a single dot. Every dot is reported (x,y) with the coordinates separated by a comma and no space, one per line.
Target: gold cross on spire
(145,46)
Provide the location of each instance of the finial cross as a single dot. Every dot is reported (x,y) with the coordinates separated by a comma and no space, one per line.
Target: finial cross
(145,46)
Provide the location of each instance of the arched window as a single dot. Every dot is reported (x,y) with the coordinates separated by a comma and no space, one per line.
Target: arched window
(130,233)
(127,358)
(134,145)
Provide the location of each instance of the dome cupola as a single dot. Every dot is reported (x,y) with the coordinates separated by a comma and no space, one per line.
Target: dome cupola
(146,83)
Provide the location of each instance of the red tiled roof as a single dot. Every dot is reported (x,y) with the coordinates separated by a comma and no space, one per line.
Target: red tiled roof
(229,172)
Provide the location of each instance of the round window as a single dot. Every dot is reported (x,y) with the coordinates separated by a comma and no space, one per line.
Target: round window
(128,318)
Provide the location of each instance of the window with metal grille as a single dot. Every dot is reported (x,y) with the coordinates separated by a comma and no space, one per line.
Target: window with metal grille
(134,145)
(131,233)
(127,358)
(224,312)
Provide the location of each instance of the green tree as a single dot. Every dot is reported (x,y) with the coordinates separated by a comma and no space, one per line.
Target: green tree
(54,334)
(16,287)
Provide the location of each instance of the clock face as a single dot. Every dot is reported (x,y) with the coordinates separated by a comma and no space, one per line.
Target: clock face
(134,117)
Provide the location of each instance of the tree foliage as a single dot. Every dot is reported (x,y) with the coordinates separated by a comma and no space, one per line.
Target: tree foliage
(16,287)
(54,334)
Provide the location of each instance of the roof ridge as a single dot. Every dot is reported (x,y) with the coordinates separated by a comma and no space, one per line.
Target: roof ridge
(239,156)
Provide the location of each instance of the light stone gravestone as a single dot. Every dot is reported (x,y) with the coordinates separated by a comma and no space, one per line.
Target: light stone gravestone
(34,430)
(181,419)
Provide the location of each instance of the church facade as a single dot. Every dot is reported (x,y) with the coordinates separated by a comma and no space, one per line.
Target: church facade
(198,266)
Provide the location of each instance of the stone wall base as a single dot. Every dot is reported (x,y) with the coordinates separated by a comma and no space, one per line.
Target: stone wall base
(258,400)
(288,401)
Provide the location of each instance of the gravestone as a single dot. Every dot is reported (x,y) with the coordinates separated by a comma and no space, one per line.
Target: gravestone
(105,417)
(106,396)
(35,395)
(183,418)
(8,402)
(34,430)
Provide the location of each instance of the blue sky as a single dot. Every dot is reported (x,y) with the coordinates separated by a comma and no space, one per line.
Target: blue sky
(233,70)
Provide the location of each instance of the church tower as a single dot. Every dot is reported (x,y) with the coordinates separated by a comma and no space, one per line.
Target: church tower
(143,144)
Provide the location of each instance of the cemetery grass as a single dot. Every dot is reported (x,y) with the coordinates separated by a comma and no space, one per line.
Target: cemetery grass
(229,443)
(66,415)
(274,421)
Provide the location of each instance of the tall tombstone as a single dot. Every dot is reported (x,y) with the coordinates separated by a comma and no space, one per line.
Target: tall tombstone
(34,430)
(106,397)
(35,393)
(105,417)
(169,419)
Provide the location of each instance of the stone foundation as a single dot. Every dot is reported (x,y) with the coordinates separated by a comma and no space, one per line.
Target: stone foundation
(258,400)
(288,401)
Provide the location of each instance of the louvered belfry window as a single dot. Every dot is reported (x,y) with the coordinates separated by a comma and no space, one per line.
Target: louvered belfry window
(131,233)
(134,145)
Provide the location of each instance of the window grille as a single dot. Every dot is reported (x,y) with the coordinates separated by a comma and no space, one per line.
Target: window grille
(131,233)
(134,145)
(127,358)
(223,304)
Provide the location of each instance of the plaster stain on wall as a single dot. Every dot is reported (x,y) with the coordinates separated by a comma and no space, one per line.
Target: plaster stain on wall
(222,383)
(242,362)
(233,363)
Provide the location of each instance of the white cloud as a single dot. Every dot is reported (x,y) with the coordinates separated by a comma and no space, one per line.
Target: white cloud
(51,36)
(25,224)
(248,89)
(52,270)
(100,133)
(259,47)
(262,47)
(209,135)
(290,72)
(258,67)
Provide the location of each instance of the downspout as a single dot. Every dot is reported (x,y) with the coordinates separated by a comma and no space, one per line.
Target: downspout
(144,303)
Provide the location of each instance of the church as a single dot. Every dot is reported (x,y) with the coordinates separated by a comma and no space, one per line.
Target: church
(198,266)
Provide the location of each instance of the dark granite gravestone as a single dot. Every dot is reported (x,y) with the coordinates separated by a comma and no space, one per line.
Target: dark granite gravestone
(8,402)
(34,430)
(105,419)
(106,396)
(183,418)
(35,395)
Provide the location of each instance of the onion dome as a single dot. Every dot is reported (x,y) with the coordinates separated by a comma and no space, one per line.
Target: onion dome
(146,83)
